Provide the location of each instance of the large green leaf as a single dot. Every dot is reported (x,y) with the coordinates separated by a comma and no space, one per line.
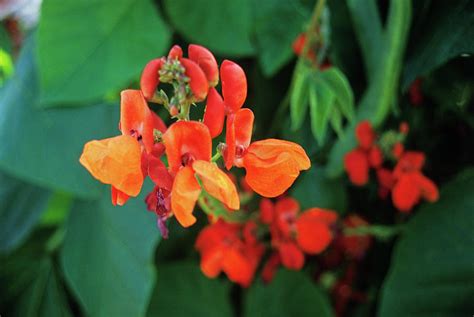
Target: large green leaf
(289,294)
(88,48)
(30,281)
(222,26)
(107,256)
(182,290)
(20,208)
(274,38)
(447,32)
(43,146)
(313,189)
(432,270)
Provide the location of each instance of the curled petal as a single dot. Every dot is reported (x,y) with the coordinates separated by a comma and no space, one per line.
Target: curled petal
(150,78)
(175,52)
(197,79)
(115,161)
(365,135)
(184,195)
(406,193)
(234,85)
(118,197)
(187,137)
(238,134)
(273,165)
(136,118)
(206,60)
(291,256)
(429,190)
(217,183)
(214,113)
(356,165)
(313,232)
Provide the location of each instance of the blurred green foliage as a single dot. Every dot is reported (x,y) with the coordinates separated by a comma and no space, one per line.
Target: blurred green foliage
(65,250)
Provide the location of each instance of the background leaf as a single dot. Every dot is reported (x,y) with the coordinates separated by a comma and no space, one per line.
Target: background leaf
(183,290)
(299,94)
(107,256)
(432,268)
(321,100)
(78,64)
(222,26)
(289,294)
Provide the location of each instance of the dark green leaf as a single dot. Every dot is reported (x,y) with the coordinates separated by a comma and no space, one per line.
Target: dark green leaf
(321,100)
(313,189)
(81,64)
(274,38)
(342,89)
(448,32)
(107,256)
(43,146)
(182,290)
(222,26)
(20,208)
(432,268)
(299,95)
(289,294)
(335,118)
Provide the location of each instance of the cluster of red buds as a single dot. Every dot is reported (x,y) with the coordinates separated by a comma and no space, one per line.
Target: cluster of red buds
(405,181)
(145,143)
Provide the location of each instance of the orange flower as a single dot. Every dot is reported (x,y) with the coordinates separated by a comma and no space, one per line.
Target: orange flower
(222,250)
(188,148)
(120,161)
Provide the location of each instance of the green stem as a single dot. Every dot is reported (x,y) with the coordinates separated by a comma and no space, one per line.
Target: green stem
(204,206)
(380,232)
(313,25)
(216,156)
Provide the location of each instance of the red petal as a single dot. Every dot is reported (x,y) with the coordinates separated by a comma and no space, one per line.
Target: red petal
(291,256)
(234,85)
(365,135)
(375,157)
(175,52)
(406,193)
(150,78)
(266,211)
(214,114)
(118,197)
(238,134)
(206,60)
(357,167)
(313,232)
(198,81)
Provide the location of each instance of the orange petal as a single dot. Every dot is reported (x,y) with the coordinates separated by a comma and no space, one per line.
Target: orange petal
(356,165)
(365,135)
(291,256)
(238,134)
(136,118)
(406,193)
(184,195)
(313,232)
(115,161)
(234,85)
(214,114)
(206,60)
(197,79)
(273,165)
(190,138)
(217,183)
(118,197)
(150,78)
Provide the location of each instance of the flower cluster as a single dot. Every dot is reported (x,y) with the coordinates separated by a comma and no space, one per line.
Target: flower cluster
(145,143)
(237,249)
(405,181)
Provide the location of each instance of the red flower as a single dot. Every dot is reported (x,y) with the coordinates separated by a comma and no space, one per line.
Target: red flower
(415,92)
(355,246)
(356,165)
(222,250)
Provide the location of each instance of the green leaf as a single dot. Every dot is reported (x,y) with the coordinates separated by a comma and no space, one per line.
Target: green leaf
(432,267)
(447,32)
(335,118)
(183,290)
(342,90)
(299,95)
(321,100)
(289,294)
(107,256)
(222,26)
(57,210)
(21,207)
(274,38)
(313,189)
(43,146)
(31,284)
(80,64)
